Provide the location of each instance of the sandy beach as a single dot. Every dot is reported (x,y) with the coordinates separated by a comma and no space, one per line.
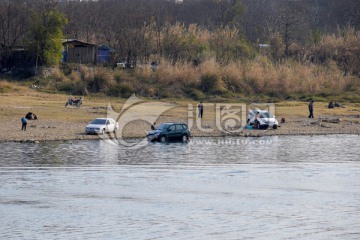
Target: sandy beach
(55,122)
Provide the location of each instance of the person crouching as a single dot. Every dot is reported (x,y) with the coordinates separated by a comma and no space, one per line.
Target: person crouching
(24,123)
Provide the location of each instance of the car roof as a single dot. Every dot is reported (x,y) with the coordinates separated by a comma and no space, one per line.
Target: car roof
(260,111)
(170,123)
(104,119)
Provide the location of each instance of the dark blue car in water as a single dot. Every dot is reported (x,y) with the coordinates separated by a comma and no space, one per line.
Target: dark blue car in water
(170,132)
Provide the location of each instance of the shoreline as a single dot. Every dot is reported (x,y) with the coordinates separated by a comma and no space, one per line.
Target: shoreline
(225,136)
(62,130)
(241,135)
(58,123)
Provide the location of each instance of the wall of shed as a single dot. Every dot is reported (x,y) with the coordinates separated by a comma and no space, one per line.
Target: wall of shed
(81,55)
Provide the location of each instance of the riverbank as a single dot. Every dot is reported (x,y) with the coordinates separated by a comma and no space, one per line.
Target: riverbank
(55,122)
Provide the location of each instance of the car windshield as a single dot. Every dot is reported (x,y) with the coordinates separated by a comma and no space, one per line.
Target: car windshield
(267,115)
(99,121)
(162,126)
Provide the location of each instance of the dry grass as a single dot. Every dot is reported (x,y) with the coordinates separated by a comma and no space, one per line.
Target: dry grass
(181,73)
(256,77)
(259,76)
(7,87)
(21,99)
(330,67)
(294,77)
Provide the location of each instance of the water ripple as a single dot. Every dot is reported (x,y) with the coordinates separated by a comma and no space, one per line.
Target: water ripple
(277,188)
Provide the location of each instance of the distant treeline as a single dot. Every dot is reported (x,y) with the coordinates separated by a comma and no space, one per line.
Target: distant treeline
(275,47)
(146,29)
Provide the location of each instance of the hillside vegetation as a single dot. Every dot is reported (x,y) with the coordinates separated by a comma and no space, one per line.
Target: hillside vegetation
(322,71)
(205,49)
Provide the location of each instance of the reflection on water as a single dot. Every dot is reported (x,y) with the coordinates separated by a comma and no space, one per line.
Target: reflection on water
(212,188)
(200,151)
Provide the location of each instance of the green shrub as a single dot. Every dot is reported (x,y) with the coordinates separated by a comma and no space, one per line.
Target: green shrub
(123,90)
(102,80)
(117,78)
(80,88)
(40,82)
(319,98)
(65,86)
(163,93)
(73,87)
(195,94)
(348,97)
(66,69)
(211,83)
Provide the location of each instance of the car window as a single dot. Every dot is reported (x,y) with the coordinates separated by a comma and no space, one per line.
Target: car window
(184,126)
(99,121)
(172,128)
(179,127)
(163,126)
(267,115)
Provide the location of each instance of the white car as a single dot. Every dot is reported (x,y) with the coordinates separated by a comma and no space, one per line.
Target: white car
(262,119)
(102,126)
(121,65)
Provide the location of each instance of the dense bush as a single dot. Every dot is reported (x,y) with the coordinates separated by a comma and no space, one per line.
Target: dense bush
(66,69)
(329,67)
(123,90)
(100,81)
(211,83)
(76,87)
(195,94)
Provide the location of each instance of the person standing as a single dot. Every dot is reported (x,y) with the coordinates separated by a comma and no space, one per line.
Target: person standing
(201,109)
(257,116)
(311,109)
(24,123)
(153,126)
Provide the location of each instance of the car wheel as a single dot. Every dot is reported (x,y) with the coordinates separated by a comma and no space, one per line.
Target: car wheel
(163,139)
(275,126)
(258,125)
(184,138)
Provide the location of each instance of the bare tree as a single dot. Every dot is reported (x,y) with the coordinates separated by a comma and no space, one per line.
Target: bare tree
(257,19)
(353,14)
(13,26)
(290,24)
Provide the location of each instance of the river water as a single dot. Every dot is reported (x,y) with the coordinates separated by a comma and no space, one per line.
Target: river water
(289,187)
